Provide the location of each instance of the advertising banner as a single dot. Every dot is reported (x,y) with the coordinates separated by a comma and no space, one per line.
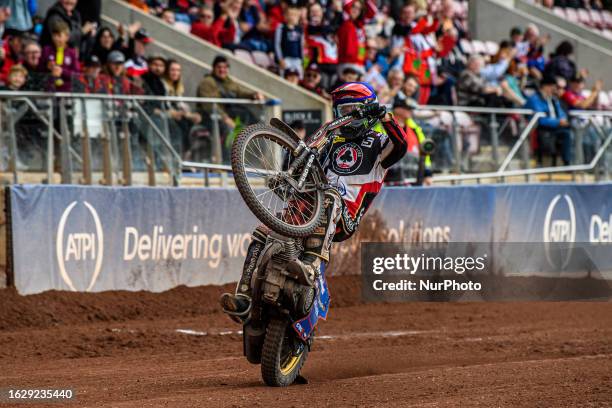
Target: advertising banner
(136,238)
(99,238)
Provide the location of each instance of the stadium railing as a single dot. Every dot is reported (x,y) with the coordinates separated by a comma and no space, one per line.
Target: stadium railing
(138,139)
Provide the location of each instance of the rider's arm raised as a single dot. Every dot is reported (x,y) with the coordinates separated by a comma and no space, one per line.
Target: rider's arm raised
(395,146)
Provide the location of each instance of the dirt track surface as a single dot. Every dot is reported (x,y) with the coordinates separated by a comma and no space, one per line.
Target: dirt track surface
(123,350)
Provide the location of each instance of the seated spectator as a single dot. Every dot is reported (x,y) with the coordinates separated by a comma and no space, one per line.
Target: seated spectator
(168,17)
(115,76)
(225,27)
(513,84)
(352,36)
(11,49)
(255,27)
(349,74)
(16,78)
(292,76)
(312,81)
(494,72)
(395,81)
(60,60)
(535,56)
(472,89)
(553,131)
(90,80)
(289,42)
(560,63)
(104,43)
(202,27)
(153,83)
(219,84)
(31,62)
(136,65)
(182,117)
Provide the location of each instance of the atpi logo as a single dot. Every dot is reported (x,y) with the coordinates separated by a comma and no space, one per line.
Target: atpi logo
(82,249)
(560,226)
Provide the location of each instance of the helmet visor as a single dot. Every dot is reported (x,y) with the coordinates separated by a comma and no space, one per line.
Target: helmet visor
(346,108)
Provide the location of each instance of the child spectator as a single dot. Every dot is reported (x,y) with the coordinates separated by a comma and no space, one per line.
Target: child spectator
(59,59)
(16,78)
(289,41)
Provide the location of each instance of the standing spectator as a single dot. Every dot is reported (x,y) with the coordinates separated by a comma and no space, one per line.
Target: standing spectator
(202,27)
(292,76)
(64,11)
(90,11)
(513,84)
(12,49)
(21,14)
(91,81)
(352,36)
(574,99)
(59,59)
(472,89)
(321,45)
(182,117)
(289,42)
(31,62)
(553,132)
(136,65)
(225,27)
(560,63)
(254,26)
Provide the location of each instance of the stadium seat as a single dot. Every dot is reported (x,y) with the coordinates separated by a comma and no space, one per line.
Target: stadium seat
(184,27)
(584,17)
(492,47)
(466,46)
(607,17)
(261,59)
(597,19)
(607,33)
(560,12)
(572,15)
(479,47)
(603,100)
(610,98)
(244,55)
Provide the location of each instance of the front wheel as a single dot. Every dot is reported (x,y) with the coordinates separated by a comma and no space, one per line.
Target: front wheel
(283,354)
(261,157)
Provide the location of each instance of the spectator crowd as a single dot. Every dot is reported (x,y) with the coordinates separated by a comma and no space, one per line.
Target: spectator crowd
(417,51)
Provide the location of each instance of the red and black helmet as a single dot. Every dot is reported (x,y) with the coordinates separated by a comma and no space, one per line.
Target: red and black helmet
(348,97)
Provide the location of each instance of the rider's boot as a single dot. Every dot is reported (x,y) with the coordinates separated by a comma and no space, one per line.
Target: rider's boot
(238,305)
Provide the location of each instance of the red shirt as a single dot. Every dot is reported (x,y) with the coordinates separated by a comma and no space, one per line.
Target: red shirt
(203,31)
(572,98)
(351,44)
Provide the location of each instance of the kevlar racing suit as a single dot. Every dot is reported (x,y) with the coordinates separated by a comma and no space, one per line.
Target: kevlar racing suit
(356,169)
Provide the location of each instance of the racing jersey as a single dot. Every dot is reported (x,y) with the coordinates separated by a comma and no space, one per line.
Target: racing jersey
(357,169)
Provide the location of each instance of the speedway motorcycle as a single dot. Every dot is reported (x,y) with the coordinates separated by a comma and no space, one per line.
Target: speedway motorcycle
(282,181)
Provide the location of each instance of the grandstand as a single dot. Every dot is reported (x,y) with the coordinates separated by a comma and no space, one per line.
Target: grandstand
(130,126)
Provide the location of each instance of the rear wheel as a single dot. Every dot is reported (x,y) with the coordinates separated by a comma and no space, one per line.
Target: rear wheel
(283,354)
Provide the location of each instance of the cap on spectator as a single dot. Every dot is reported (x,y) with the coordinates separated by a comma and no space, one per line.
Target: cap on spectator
(350,70)
(291,71)
(220,59)
(142,35)
(314,67)
(92,61)
(405,103)
(116,57)
(156,56)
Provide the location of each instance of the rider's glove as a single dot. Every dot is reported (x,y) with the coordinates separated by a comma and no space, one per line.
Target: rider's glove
(372,110)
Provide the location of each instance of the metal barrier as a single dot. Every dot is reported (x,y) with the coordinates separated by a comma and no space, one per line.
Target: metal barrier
(119,136)
(114,136)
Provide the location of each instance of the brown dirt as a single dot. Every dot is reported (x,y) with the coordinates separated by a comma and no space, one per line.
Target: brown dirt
(122,349)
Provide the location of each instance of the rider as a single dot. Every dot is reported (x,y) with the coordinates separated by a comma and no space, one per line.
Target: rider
(355,164)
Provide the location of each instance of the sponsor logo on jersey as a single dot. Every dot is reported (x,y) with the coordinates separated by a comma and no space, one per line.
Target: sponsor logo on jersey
(347,158)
